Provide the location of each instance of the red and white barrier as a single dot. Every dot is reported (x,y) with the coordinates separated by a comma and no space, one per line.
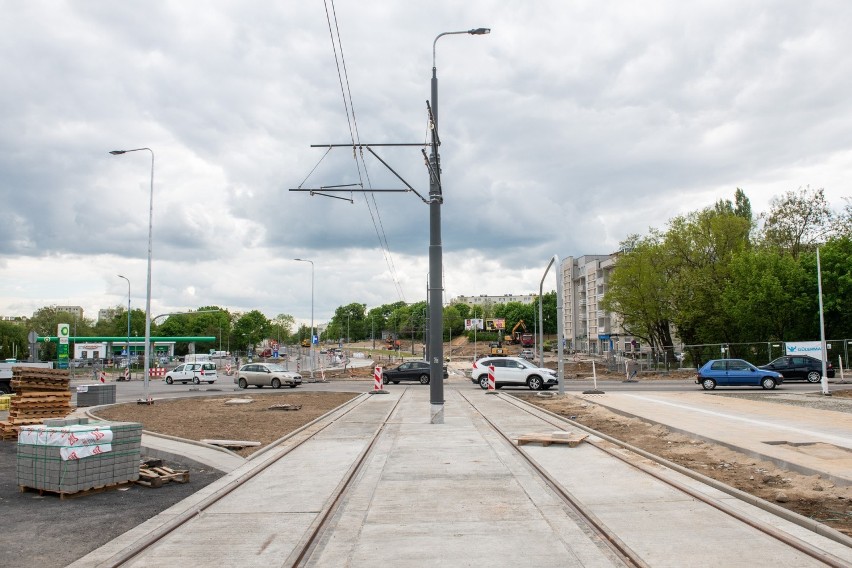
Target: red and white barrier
(127,373)
(492,383)
(157,372)
(102,377)
(377,379)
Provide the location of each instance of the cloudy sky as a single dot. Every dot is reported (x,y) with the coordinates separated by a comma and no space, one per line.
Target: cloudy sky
(570,126)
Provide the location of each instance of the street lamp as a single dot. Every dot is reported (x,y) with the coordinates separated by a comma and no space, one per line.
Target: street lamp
(128,322)
(312,311)
(436,291)
(148,291)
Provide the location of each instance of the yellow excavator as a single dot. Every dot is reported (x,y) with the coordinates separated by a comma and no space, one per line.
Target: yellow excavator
(515,337)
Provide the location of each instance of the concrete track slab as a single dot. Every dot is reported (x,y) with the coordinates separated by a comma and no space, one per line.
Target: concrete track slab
(453,494)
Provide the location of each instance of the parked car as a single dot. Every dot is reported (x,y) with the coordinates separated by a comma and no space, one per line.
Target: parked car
(736,372)
(196,373)
(409,371)
(800,367)
(266,375)
(512,371)
(527,354)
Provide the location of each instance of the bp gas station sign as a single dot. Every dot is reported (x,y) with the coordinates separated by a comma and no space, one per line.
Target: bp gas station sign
(62,332)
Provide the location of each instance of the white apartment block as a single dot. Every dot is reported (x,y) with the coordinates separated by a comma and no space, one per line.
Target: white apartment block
(484,299)
(109,313)
(587,327)
(76,311)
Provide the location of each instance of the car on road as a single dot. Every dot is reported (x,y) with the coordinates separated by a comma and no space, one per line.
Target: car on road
(266,375)
(409,371)
(512,371)
(800,367)
(527,354)
(735,373)
(195,373)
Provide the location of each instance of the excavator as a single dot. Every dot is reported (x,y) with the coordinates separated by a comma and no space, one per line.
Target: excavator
(525,339)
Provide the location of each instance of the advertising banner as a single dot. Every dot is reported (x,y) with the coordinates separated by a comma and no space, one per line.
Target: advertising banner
(812,348)
(470,324)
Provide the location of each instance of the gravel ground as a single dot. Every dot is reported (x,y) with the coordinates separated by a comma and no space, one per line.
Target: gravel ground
(47,532)
(840,401)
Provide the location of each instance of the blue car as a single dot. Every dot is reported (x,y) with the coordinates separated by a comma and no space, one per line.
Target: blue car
(736,373)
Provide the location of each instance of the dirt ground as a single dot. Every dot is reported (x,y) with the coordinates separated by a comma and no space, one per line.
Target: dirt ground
(810,496)
(212,418)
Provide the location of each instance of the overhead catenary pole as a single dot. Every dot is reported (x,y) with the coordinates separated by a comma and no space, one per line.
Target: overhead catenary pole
(436,291)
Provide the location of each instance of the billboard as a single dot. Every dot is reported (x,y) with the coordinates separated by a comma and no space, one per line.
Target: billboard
(812,348)
(473,323)
(495,324)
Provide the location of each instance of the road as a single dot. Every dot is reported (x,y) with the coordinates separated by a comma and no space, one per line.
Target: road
(134,390)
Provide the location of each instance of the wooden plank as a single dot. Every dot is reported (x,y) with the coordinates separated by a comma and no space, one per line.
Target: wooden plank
(546,439)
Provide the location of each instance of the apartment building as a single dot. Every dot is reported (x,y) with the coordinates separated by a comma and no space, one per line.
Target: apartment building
(484,299)
(109,313)
(588,328)
(75,311)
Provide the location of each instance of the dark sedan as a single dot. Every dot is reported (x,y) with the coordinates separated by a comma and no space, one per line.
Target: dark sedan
(409,371)
(800,367)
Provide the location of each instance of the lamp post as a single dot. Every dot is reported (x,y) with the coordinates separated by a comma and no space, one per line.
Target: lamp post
(147,365)
(312,311)
(128,322)
(436,291)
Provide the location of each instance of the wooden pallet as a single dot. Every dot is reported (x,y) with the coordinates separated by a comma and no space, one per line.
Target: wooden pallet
(570,439)
(74,494)
(159,476)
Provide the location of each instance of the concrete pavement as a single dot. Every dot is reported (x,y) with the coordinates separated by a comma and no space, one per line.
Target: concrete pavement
(453,494)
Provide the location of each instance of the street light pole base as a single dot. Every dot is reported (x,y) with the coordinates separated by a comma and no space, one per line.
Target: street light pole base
(437,413)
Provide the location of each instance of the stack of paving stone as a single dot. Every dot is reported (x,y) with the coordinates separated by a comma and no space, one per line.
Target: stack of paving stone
(73,455)
(97,394)
(40,394)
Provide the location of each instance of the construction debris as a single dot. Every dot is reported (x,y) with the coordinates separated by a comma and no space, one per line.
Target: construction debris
(571,439)
(239,400)
(285,407)
(157,476)
(40,394)
(234,444)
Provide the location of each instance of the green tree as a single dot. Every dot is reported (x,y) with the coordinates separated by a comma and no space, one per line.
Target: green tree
(798,221)
(13,340)
(251,329)
(836,267)
(640,291)
(768,297)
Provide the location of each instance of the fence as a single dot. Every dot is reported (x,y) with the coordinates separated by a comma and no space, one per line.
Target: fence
(758,353)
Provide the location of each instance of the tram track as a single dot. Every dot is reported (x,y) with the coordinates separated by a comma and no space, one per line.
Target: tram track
(273,454)
(785,538)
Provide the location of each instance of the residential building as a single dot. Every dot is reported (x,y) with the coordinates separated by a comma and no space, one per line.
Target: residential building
(75,311)
(587,327)
(109,313)
(484,299)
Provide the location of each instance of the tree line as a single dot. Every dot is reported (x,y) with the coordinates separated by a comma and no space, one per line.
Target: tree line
(720,275)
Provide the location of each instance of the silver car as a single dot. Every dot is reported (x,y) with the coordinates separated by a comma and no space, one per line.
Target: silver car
(266,374)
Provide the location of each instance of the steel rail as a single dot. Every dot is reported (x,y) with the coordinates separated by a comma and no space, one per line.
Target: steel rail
(790,540)
(608,537)
(306,547)
(169,526)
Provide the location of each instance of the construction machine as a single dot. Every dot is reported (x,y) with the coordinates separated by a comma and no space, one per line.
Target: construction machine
(497,349)
(516,336)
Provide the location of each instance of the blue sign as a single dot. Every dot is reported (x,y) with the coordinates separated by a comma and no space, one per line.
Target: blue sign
(124,351)
(315,340)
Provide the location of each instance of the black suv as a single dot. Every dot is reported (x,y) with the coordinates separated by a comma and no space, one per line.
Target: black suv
(409,371)
(800,367)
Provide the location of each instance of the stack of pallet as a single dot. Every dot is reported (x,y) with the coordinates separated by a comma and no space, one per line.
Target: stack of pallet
(40,394)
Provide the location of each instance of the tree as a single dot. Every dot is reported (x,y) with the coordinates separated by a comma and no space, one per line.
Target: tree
(284,327)
(640,291)
(836,267)
(798,221)
(13,340)
(251,329)
(768,297)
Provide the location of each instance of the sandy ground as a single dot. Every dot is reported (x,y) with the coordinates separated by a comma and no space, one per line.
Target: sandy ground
(213,418)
